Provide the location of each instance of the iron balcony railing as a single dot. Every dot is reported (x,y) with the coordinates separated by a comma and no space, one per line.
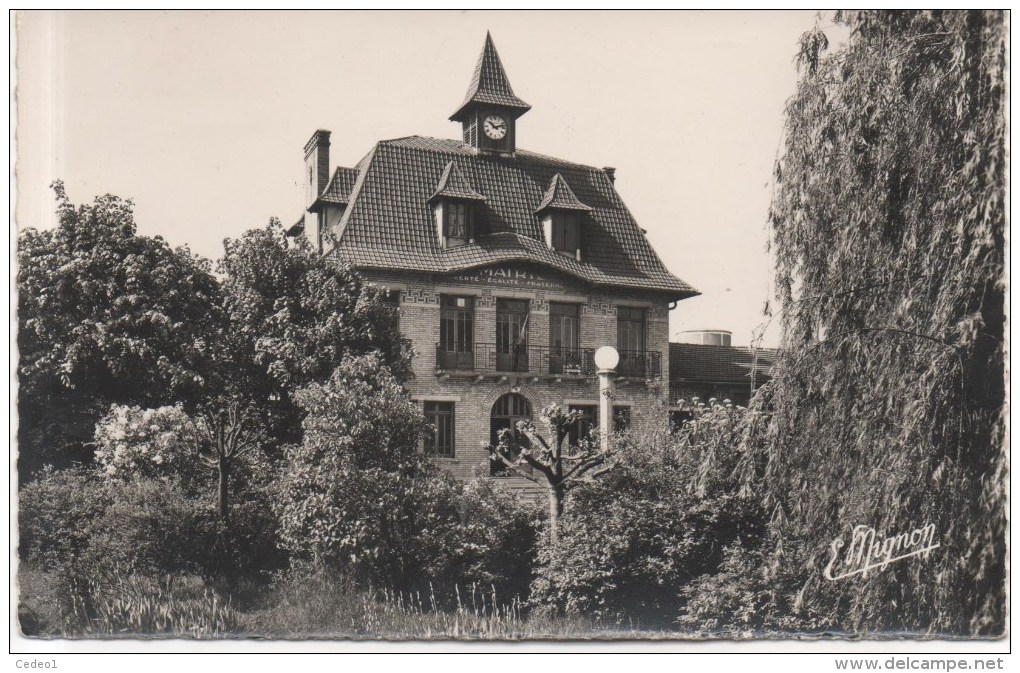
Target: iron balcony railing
(552,360)
(519,359)
(640,364)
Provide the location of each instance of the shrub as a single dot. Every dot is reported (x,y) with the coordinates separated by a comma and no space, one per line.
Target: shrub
(737,600)
(149,443)
(626,559)
(498,533)
(631,541)
(45,603)
(754,594)
(156,528)
(356,494)
(153,527)
(78,530)
(252,540)
(165,453)
(80,524)
(58,513)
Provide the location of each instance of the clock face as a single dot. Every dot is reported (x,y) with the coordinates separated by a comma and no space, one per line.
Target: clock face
(495,127)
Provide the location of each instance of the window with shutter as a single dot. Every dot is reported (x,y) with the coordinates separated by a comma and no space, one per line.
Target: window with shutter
(566,233)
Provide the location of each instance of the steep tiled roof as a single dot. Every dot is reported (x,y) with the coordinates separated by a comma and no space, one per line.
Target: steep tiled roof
(338,191)
(719,364)
(489,84)
(559,195)
(389,223)
(453,185)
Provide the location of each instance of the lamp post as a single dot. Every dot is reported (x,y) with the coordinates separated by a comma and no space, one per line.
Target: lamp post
(606,359)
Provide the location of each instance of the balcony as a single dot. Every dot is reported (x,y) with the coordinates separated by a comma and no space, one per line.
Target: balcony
(541,362)
(643,365)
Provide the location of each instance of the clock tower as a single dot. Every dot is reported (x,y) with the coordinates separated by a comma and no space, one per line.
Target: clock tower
(490,110)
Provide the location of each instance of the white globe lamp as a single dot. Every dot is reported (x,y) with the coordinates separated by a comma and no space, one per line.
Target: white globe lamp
(606,358)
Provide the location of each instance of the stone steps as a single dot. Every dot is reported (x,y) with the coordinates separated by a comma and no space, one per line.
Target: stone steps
(526,488)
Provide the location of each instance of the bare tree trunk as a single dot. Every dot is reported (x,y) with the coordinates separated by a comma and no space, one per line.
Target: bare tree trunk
(224,470)
(556,493)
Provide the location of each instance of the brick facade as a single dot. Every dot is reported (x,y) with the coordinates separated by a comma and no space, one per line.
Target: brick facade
(474,397)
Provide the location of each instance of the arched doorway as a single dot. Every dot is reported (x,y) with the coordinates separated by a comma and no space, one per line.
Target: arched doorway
(506,412)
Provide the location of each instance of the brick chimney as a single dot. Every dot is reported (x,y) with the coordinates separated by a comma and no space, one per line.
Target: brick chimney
(316,165)
(611,173)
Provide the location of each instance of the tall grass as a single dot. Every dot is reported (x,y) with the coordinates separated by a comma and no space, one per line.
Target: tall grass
(297,606)
(321,606)
(118,604)
(137,606)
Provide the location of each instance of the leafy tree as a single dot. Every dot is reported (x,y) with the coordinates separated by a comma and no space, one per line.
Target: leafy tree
(357,494)
(293,316)
(888,228)
(104,316)
(227,434)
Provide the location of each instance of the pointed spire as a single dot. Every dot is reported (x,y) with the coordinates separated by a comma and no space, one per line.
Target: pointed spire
(489,84)
(453,185)
(560,195)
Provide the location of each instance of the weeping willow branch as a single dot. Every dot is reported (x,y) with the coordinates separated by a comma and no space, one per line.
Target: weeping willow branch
(889,388)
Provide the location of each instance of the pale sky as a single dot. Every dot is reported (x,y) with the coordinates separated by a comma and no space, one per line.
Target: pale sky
(201,117)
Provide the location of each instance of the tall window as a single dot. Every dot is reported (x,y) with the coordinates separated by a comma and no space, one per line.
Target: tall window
(630,328)
(457,225)
(582,428)
(564,338)
(456,332)
(566,233)
(512,335)
(506,412)
(630,340)
(440,415)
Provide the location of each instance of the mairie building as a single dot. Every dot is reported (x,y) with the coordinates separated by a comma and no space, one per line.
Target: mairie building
(509,269)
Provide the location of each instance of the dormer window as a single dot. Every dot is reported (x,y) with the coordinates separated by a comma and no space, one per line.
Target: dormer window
(457,222)
(563,216)
(566,233)
(454,206)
